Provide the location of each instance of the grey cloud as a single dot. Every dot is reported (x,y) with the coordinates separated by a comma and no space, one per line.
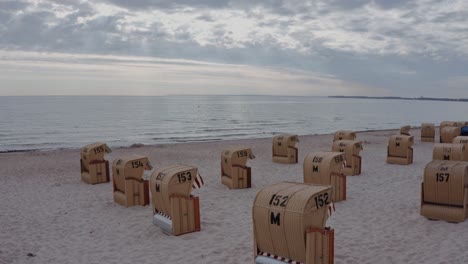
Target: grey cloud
(454,16)
(44,31)
(80,9)
(413,76)
(12,5)
(278,6)
(206,17)
(104,24)
(4,17)
(27,29)
(68,2)
(386,4)
(183,34)
(167,4)
(348,4)
(389,4)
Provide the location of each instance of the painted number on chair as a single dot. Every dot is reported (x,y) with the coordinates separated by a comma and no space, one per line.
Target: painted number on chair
(184,176)
(137,164)
(98,150)
(442,177)
(160,176)
(317,159)
(278,200)
(339,159)
(275,219)
(321,200)
(241,154)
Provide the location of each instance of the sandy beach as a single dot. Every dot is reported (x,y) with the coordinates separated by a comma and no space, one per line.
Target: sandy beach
(47,215)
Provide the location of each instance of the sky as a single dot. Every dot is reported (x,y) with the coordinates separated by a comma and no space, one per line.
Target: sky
(271,47)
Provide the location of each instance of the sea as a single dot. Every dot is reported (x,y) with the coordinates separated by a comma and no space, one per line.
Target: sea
(55,122)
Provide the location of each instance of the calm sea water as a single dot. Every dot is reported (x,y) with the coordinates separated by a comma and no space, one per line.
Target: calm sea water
(29,123)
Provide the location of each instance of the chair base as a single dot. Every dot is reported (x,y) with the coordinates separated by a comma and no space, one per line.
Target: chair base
(164,223)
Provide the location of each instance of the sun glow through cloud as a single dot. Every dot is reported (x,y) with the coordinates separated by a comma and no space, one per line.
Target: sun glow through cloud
(66,74)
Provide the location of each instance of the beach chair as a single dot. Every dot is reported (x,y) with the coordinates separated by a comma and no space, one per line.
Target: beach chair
(404,130)
(444,124)
(447,124)
(94,168)
(461,124)
(344,135)
(175,210)
(326,168)
(351,149)
(130,188)
(399,150)
(235,173)
(461,140)
(284,149)
(448,133)
(452,151)
(444,192)
(289,224)
(427,132)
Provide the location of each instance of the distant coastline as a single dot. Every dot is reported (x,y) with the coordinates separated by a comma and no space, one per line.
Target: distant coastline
(402,98)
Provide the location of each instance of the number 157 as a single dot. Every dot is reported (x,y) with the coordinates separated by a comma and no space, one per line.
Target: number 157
(442,177)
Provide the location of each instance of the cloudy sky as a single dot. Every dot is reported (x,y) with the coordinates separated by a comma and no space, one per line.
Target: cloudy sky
(278,47)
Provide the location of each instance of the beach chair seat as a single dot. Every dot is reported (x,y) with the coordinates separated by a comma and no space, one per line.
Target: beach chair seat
(175,210)
(399,150)
(461,140)
(444,191)
(427,132)
(446,136)
(130,188)
(344,135)
(289,224)
(284,149)
(94,168)
(404,130)
(351,149)
(453,151)
(448,133)
(325,168)
(235,173)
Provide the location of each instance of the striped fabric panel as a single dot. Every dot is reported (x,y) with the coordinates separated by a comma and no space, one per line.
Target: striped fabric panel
(285,260)
(165,215)
(198,182)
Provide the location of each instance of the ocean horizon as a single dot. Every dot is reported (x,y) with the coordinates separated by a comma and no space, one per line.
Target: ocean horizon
(55,122)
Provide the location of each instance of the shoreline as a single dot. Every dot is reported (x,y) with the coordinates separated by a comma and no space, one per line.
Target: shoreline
(140,145)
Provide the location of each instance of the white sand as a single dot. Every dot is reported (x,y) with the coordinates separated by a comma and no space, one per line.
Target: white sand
(46,210)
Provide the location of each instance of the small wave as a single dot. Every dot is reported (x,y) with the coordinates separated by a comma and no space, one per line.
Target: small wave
(238,135)
(52,133)
(198,140)
(225,129)
(18,150)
